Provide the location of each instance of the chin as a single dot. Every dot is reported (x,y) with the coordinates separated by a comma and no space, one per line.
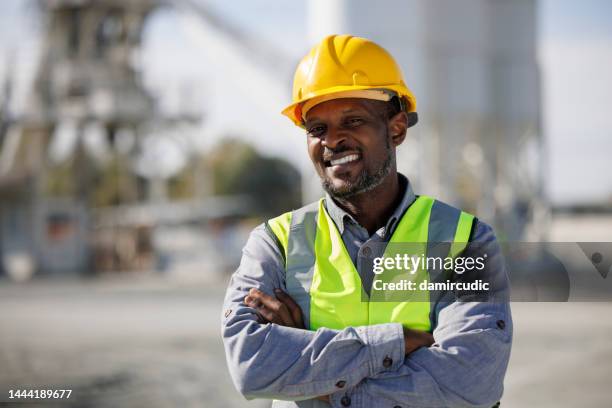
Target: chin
(342,183)
(338,188)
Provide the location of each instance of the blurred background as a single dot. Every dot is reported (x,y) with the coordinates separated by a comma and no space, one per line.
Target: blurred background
(141,141)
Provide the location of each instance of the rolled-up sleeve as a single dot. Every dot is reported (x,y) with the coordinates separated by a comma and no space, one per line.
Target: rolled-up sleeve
(466,365)
(266,360)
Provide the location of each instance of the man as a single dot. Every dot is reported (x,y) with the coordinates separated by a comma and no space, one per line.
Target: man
(305,322)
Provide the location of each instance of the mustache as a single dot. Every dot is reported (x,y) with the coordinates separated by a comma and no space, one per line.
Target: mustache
(329,153)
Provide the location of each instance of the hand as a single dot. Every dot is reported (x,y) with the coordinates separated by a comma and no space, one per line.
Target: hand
(281,309)
(414,339)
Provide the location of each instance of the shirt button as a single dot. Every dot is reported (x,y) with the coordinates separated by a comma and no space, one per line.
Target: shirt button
(345,401)
(341,384)
(366,251)
(387,362)
(501,324)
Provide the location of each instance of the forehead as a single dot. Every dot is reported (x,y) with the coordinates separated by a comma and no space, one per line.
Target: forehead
(340,107)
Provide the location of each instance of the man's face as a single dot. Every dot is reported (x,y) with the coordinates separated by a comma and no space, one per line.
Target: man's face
(349,145)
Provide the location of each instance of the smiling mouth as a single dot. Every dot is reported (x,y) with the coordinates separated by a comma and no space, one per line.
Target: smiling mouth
(342,160)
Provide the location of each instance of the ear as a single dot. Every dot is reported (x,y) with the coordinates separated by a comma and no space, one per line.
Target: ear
(398,125)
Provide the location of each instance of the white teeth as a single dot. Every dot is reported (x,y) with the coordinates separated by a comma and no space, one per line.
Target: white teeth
(345,159)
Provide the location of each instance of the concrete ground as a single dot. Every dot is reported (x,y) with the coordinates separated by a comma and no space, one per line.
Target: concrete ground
(148,342)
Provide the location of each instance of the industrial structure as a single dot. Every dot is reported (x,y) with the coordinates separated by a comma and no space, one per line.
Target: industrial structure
(88,92)
(472,65)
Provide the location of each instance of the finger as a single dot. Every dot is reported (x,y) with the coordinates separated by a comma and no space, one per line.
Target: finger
(255,300)
(252,301)
(269,315)
(260,294)
(286,299)
(255,304)
(294,308)
(276,306)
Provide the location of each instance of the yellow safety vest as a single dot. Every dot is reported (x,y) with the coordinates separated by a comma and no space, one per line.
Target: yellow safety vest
(322,278)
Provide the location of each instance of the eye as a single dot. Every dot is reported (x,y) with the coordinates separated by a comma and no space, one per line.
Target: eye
(354,122)
(316,131)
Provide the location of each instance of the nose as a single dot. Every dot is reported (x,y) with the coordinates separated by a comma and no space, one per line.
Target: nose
(334,138)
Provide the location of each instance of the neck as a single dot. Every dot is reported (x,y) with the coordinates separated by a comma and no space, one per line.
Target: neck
(373,208)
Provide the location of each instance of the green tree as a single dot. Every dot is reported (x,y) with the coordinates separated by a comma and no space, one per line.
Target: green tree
(272,184)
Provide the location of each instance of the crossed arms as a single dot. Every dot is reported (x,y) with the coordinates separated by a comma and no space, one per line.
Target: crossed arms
(270,356)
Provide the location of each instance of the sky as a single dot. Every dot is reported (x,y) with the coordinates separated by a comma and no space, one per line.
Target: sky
(576,58)
(575,55)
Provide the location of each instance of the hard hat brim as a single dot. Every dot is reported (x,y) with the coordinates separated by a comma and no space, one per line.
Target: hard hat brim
(293,111)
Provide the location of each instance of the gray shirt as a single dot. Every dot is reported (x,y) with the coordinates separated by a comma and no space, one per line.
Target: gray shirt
(356,238)
(464,367)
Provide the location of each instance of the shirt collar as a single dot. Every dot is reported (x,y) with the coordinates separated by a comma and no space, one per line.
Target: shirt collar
(340,217)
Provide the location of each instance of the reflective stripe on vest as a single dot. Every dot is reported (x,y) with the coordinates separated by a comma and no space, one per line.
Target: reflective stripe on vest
(322,279)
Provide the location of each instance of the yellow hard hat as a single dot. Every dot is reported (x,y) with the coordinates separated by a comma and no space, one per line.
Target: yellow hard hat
(343,66)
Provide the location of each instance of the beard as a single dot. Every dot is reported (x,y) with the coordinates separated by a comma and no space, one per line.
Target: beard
(366,181)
